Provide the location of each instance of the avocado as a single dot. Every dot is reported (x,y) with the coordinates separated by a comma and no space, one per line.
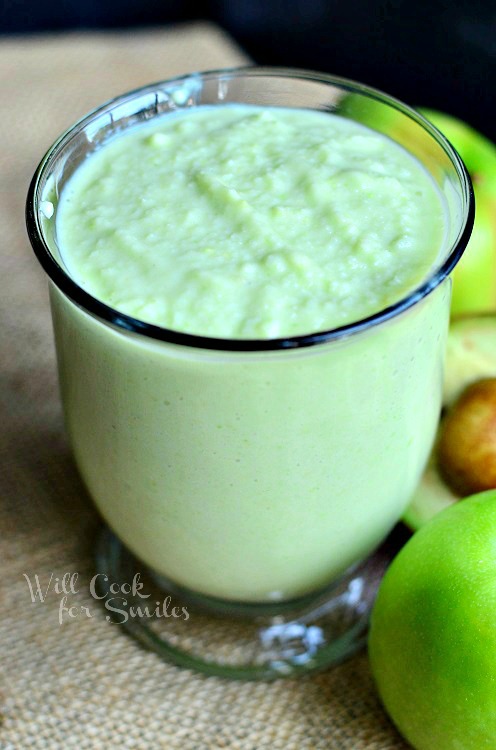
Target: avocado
(431,496)
(470,356)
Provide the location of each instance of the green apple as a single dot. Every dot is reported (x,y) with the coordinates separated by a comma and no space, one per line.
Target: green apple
(474,280)
(432,642)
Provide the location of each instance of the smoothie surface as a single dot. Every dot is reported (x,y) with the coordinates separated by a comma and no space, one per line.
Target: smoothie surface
(238,221)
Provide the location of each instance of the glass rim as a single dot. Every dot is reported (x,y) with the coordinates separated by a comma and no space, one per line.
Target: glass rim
(109,315)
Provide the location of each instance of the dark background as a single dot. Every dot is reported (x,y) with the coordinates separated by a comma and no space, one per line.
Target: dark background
(439,54)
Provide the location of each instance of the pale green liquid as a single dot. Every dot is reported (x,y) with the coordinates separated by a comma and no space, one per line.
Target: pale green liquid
(249,476)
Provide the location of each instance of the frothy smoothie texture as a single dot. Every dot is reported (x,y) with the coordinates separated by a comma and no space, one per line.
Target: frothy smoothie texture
(244,222)
(257,475)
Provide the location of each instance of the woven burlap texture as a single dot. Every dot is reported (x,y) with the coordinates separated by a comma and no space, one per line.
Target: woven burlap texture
(86,684)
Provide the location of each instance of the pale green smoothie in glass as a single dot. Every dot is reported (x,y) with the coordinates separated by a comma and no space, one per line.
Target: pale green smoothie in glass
(258,475)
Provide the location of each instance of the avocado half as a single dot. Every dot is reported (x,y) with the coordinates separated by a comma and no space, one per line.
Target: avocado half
(431,496)
(470,356)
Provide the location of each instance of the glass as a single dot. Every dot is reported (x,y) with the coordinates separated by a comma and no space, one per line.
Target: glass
(246,480)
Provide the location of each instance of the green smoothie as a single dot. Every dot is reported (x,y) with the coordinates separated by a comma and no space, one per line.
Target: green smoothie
(259,475)
(245,222)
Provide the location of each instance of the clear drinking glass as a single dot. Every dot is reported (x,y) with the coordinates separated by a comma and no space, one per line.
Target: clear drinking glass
(246,480)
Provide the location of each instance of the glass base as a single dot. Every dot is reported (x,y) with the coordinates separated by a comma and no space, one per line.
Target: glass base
(236,640)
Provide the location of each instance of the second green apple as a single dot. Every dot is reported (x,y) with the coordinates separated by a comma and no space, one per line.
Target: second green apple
(474,280)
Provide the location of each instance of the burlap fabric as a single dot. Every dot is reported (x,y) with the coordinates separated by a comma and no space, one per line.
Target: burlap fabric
(86,684)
